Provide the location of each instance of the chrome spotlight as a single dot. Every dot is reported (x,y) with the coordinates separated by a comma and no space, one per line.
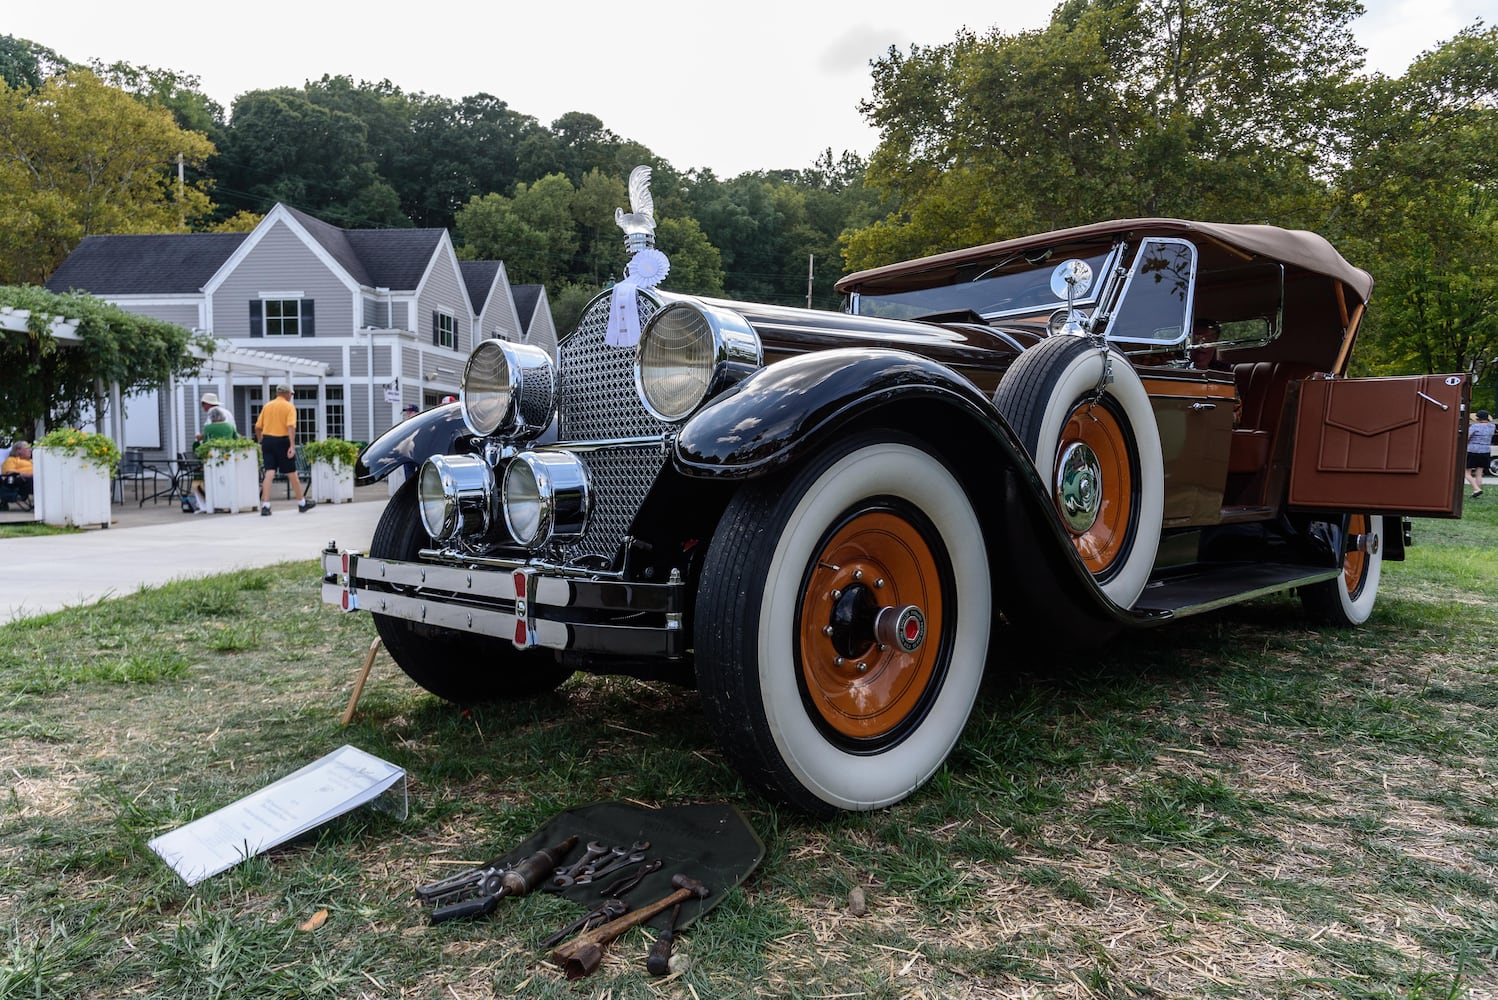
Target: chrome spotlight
(545,496)
(456,497)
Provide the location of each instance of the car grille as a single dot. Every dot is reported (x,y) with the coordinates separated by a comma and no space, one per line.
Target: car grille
(597,402)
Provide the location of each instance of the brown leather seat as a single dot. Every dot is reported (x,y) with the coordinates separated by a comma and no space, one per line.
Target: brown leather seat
(1261,387)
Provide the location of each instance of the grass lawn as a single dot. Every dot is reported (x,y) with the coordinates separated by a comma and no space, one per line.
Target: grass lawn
(1239,805)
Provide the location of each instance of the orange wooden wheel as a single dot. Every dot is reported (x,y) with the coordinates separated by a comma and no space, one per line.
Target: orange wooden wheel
(876,562)
(1355,561)
(1100,539)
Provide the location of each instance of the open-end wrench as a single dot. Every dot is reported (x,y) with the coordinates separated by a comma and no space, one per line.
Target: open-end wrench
(596,849)
(608,869)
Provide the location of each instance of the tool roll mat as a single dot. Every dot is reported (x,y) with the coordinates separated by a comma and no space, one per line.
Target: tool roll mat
(712,843)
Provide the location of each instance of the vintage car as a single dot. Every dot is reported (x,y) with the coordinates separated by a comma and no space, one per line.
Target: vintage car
(820,517)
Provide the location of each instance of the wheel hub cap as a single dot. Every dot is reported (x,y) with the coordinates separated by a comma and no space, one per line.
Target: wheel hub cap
(1078,481)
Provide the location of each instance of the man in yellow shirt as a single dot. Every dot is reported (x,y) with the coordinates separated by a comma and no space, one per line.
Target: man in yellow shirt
(275,429)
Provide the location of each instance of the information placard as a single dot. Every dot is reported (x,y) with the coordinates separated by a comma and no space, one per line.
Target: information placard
(328,787)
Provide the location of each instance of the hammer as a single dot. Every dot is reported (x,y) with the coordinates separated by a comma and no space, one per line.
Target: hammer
(582,955)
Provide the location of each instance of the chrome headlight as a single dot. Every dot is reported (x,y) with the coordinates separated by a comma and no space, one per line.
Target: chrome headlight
(508,388)
(455,495)
(682,349)
(545,496)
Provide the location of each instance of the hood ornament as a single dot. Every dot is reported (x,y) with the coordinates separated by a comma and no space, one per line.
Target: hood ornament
(647,266)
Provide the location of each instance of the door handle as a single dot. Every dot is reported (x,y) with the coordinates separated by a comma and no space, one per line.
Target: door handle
(1432,399)
(1203,406)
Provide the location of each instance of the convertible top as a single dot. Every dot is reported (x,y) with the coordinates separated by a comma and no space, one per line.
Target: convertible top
(1297,248)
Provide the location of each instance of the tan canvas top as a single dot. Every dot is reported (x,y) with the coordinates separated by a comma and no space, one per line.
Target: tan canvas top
(1292,247)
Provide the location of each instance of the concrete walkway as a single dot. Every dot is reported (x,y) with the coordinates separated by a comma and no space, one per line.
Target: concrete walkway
(151,545)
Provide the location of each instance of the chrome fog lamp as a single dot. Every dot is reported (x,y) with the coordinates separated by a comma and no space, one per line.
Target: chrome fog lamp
(682,349)
(455,495)
(545,496)
(508,388)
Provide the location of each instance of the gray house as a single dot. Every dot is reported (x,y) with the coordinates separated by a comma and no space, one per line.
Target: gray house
(360,321)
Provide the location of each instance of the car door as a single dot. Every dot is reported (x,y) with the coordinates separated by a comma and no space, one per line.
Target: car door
(1381,445)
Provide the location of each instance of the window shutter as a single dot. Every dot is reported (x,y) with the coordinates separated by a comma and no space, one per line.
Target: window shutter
(436,328)
(308,327)
(257,324)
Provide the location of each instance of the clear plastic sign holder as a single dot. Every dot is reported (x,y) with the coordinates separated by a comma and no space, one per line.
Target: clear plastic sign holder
(308,797)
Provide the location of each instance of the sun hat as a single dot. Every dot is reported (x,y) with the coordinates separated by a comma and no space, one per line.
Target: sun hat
(282,387)
(209,399)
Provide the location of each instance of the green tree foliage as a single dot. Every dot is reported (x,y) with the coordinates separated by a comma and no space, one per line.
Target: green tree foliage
(79,157)
(285,146)
(24,65)
(533,232)
(1418,203)
(1117,108)
(42,379)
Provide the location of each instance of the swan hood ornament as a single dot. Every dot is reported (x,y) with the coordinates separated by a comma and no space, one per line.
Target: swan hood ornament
(647,266)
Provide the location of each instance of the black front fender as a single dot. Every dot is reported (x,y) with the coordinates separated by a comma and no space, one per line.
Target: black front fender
(770,417)
(411,442)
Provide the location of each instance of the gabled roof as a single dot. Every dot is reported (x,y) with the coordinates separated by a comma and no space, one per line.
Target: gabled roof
(153,264)
(527,298)
(479,275)
(377,258)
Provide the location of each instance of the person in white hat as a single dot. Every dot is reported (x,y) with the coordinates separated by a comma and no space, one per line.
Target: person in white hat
(217,420)
(276,431)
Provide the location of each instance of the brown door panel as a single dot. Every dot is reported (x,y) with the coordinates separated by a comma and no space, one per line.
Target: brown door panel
(1381,445)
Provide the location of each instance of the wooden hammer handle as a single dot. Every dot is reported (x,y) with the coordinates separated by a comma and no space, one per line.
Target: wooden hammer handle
(607,932)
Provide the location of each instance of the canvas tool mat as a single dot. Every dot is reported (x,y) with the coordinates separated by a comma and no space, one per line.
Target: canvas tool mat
(712,843)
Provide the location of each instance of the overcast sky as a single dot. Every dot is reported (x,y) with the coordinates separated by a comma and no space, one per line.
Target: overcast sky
(756,86)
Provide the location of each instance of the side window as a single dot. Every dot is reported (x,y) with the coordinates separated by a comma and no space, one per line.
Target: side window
(1155,307)
(444,330)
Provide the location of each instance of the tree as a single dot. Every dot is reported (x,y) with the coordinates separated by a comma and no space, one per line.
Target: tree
(285,146)
(1224,109)
(42,380)
(77,158)
(24,65)
(1418,203)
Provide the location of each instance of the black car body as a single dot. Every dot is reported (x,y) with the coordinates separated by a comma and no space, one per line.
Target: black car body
(819,517)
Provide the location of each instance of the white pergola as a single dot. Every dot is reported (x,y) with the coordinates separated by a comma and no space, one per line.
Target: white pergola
(225,362)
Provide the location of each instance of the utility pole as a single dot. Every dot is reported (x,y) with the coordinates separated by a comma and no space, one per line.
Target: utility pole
(811,268)
(181,193)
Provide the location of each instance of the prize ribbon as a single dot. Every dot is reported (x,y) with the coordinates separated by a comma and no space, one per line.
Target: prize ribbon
(646,269)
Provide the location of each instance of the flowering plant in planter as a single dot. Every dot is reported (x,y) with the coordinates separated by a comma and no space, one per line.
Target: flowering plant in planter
(223,449)
(90,448)
(336,452)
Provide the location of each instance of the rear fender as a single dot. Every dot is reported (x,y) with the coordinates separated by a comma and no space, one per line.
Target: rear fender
(411,442)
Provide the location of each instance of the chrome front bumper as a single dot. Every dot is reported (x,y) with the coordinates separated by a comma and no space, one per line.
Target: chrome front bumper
(529,607)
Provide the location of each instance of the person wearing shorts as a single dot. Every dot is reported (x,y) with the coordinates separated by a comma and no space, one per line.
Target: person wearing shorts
(275,429)
(1479,450)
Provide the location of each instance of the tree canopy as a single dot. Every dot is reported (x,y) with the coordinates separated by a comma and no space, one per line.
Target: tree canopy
(1228,110)
(79,157)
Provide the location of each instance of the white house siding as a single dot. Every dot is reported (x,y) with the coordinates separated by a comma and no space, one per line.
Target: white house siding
(281,262)
(443,289)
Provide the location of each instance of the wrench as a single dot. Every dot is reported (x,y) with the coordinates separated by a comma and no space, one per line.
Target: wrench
(617,864)
(593,918)
(596,849)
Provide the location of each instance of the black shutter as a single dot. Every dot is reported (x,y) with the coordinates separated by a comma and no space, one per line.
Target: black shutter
(309,328)
(257,325)
(436,328)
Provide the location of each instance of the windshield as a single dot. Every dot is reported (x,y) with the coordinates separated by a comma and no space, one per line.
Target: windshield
(993,293)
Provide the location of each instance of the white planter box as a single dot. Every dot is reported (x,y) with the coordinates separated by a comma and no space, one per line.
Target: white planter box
(70,491)
(232,483)
(329,486)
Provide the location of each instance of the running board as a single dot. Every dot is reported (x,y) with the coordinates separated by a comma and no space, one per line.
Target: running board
(1208,586)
